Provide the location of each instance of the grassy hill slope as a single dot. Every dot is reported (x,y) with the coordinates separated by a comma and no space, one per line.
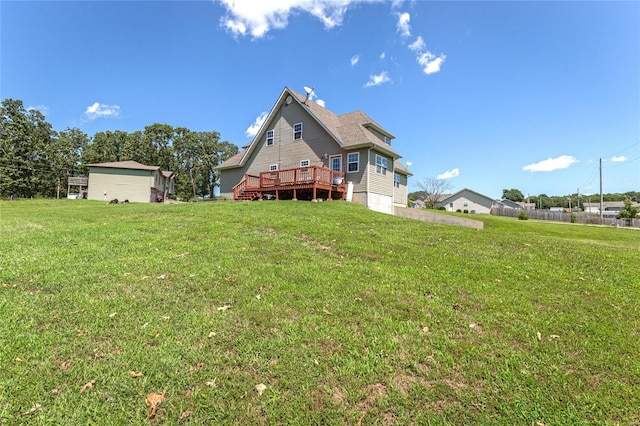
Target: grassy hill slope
(346,316)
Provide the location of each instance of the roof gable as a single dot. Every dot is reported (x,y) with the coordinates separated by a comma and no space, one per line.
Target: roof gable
(457,194)
(349,131)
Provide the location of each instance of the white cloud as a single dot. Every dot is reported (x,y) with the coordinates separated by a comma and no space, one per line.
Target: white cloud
(383,55)
(615,158)
(257,18)
(98,110)
(551,164)
(376,80)
(42,108)
(449,174)
(430,62)
(253,129)
(403,24)
(354,60)
(418,45)
(320,102)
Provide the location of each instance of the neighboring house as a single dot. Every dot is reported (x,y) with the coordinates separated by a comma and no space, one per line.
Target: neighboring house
(301,138)
(510,204)
(469,200)
(129,180)
(609,208)
(421,202)
(527,206)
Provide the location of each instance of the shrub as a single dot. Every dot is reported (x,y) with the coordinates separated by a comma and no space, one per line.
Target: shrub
(458,211)
(465,211)
(523,216)
(573,218)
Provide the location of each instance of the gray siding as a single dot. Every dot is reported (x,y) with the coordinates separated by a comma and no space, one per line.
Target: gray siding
(228,179)
(358,178)
(400,194)
(380,184)
(286,152)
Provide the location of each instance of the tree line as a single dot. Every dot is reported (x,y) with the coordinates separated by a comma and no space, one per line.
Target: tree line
(432,190)
(544,201)
(36,160)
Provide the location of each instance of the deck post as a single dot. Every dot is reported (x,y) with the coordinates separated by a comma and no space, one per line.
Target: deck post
(314,193)
(295,196)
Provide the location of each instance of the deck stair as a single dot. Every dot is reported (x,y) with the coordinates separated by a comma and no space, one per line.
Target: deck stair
(248,195)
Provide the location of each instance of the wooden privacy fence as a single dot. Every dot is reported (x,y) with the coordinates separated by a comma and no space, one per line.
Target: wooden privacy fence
(586,218)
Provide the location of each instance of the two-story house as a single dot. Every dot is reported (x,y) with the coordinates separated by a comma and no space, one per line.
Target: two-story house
(303,150)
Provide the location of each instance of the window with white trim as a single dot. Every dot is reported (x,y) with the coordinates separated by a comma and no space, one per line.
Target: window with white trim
(297,131)
(304,163)
(269,137)
(353,162)
(387,140)
(336,162)
(273,167)
(381,165)
(396,180)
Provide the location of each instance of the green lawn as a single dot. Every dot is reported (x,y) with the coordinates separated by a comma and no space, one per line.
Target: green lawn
(346,316)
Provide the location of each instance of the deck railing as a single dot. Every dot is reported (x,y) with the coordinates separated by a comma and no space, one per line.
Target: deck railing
(300,176)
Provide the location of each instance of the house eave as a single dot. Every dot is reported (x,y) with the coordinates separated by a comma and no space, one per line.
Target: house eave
(373,146)
(379,129)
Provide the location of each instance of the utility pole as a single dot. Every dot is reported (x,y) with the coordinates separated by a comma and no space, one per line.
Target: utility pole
(601,200)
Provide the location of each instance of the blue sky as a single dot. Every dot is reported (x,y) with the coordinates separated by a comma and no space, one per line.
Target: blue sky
(490,95)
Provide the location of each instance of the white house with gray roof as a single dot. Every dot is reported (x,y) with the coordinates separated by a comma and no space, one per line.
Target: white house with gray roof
(129,180)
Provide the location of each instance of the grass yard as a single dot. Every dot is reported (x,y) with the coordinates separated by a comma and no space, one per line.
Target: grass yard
(312,313)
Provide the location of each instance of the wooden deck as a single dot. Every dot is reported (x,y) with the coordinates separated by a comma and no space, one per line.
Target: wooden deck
(302,183)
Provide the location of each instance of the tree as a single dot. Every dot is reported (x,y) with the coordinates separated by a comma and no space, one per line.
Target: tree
(105,147)
(25,138)
(65,155)
(628,212)
(433,189)
(198,155)
(513,195)
(158,138)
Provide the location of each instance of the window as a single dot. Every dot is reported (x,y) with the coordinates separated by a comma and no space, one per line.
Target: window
(273,167)
(304,163)
(297,131)
(335,161)
(269,137)
(387,140)
(396,180)
(381,165)
(353,161)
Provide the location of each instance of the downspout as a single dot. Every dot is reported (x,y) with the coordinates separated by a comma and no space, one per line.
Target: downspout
(393,184)
(368,171)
